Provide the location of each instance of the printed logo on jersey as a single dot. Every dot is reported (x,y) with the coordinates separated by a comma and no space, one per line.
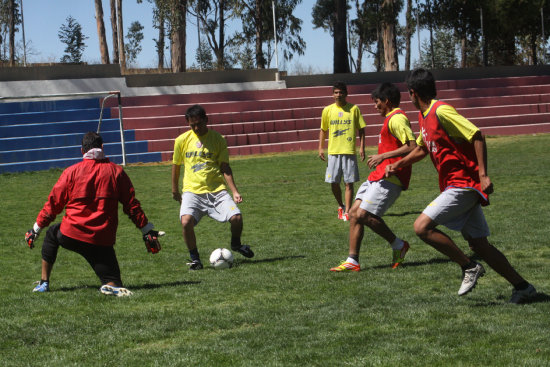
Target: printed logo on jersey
(199,166)
(199,144)
(338,133)
(340,114)
(429,144)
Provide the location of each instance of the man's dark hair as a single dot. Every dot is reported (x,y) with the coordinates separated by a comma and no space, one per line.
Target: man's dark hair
(340,85)
(423,83)
(387,91)
(195,111)
(91,140)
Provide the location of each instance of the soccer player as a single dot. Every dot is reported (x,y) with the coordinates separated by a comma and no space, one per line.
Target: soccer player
(204,155)
(459,153)
(341,121)
(378,193)
(90,191)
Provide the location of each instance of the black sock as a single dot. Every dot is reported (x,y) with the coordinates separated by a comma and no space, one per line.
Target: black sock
(194,254)
(521,286)
(470,265)
(354,257)
(235,243)
(42,281)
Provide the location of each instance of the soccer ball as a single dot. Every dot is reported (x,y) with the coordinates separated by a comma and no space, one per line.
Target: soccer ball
(221,258)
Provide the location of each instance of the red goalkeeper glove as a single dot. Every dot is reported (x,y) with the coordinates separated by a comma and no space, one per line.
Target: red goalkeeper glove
(151,241)
(32,235)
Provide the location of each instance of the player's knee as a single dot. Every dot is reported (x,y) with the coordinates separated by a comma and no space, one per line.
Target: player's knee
(477,244)
(236,219)
(187,222)
(420,229)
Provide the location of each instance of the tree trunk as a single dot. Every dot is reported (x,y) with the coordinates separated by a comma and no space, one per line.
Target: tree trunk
(463,54)
(260,60)
(220,52)
(340,59)
(121,55)
(160,43)
(178,35)
(408,35)
(101,32)
(12,32)
(389,36)
(114,31)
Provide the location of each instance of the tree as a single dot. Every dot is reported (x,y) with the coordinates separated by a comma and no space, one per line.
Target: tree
(409,29)
(71,35)
(390,10)
(178,10)
(331,15)
(204,57)
(257,20)
(368,28)
(114,31)
(103,49)
(133,47)
(213,15)
(120,30)
(10,18)
(444,49)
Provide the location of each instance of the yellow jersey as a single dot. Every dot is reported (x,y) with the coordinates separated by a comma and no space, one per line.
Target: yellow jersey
(201,156)
(342,124)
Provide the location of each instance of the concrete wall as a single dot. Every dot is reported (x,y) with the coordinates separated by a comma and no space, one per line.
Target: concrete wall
(58,71)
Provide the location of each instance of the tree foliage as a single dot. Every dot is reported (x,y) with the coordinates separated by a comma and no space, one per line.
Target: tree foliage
(71,35)
(134,37)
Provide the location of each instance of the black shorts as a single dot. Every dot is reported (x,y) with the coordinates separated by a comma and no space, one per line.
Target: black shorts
(101,258)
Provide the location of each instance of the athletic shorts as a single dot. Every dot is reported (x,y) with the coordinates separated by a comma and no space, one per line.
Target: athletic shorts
(377,196)
(217,205)
(342,165)
(101,258)
(459,209)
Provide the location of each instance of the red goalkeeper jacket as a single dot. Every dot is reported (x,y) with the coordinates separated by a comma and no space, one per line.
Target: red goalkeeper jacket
(90,192)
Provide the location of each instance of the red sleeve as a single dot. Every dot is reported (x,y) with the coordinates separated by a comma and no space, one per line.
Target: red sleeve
(130,205)
(56,202)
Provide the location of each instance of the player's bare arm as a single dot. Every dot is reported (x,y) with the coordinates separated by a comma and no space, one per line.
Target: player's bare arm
(225,169)
(480,148)
(322,138)
(375,160)
(362,144)
(417,154)
(176,193)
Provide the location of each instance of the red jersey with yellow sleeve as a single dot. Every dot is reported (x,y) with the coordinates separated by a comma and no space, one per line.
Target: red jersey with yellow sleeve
(396,131)
(448,137)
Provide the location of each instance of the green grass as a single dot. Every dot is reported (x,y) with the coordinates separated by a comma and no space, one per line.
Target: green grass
(283,307)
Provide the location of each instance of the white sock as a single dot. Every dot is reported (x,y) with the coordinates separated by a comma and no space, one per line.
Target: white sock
(350,260)
(397,244)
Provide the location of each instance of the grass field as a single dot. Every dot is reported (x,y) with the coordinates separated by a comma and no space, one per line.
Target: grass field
(283,307)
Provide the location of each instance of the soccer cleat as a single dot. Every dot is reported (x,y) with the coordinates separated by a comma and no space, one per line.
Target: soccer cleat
(340,213)
(244,250)
(524,295)
(195,265)
(346,266)
(110,290)
(42,287)
(345,217)
(399,255)
(469,278)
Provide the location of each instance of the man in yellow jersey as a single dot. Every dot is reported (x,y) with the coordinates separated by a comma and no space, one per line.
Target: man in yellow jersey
(458,151)
(378,193)
(341,121)
(204,155)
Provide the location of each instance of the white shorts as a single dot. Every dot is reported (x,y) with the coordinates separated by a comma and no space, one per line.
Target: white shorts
(339,165)
(217,205)
(459,209)
(377,196)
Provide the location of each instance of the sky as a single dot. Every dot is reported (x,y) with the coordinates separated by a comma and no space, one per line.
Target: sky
(43,19)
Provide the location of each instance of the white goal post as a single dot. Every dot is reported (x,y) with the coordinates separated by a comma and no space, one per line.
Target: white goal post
(107,94)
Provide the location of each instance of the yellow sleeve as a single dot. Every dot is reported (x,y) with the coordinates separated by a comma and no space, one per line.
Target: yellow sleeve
(177,157)
(456,125)
(400,127)
(358,118)
(325,118)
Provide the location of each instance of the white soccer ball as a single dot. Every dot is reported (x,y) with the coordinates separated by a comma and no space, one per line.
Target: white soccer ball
(221,258)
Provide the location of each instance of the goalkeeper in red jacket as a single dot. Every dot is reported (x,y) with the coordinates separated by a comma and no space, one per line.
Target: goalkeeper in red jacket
(90,191)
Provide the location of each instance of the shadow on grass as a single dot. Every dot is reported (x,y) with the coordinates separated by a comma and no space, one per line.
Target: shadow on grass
(402,214)
(416,263)
(268,260)
(131,287)
(539,298)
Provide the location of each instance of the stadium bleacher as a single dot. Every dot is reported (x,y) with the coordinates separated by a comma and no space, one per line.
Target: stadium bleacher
(46,134)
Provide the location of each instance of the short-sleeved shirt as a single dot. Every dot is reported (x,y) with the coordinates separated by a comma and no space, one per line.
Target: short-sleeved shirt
(202,157)
(342,124)
(456,125)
